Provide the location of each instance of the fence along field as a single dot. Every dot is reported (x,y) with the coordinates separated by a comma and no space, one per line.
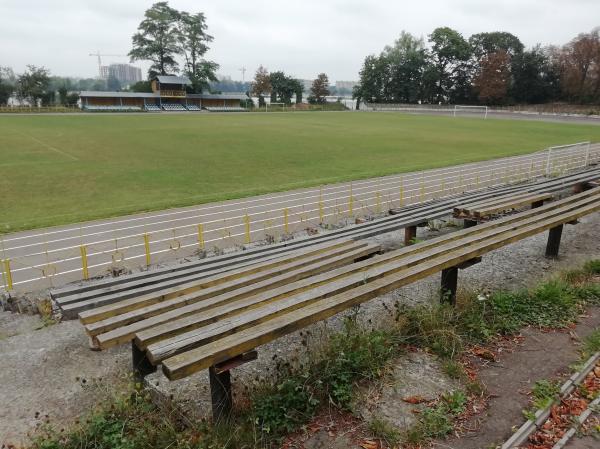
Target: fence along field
(51,258)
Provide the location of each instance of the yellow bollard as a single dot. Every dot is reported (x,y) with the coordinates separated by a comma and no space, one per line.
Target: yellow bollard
(8,281)
(378,202)
(247,226)
(84,262)
(422,192)
(147,248)
(286,223)
(201,236)
(443,186)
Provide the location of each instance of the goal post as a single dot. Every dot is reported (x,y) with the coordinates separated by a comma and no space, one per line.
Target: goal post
(471,110)
(281,105)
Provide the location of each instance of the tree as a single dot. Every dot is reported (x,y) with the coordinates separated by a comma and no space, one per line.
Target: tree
(158,39)
(450,52)
(370,87)
(62,94)
(112,83)
(193,44)
(32,85)
(7,84)
(493,81)
(535,76)
(580,77)
(298,88)
(406,60)
(141,86)
(320,88)
(261,85)
(283,87)
(484,44)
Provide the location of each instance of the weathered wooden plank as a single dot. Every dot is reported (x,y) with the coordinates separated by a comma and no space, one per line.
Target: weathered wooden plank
(194,360)
(466,207)
(160,294)
(513,204)
(121,328)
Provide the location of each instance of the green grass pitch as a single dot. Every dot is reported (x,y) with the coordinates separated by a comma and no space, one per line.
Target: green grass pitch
(63,169)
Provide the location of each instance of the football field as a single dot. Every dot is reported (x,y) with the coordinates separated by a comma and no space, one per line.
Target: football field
(62,169)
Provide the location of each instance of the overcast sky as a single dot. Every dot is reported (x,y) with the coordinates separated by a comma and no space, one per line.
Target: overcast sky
(301,37)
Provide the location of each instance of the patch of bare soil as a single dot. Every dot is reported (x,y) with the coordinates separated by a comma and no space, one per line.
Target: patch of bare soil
(49,375)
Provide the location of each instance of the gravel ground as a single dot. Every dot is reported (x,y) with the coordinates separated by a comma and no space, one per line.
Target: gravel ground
(43,370)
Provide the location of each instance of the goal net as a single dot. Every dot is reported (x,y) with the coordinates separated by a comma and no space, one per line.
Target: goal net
(471,110)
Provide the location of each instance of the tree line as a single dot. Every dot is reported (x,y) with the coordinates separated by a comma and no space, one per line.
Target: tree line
(486,68)
(37,86)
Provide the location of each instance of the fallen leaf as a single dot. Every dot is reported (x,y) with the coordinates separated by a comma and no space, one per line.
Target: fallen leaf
(414,399)
(369,444)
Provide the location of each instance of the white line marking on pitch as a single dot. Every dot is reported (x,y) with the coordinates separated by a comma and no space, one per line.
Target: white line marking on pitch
(50,147)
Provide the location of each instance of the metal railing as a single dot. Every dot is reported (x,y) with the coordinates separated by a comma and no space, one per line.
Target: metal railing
(49,258)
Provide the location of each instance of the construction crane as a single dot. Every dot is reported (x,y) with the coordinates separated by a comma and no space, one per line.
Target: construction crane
(99,56)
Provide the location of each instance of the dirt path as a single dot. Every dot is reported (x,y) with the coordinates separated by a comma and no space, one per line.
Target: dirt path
(541,355)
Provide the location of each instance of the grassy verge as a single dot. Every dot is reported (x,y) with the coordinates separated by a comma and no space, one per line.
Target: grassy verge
(354,355)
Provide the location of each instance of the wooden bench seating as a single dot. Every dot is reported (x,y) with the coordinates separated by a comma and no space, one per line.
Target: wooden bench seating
(234,336)
(219,321)
(74,299)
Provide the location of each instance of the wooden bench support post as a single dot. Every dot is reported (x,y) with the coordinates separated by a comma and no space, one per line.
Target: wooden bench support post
(220,394)
(449,285)
(141,365)
(410,234)
(553,245)
(220,384)
(469,223)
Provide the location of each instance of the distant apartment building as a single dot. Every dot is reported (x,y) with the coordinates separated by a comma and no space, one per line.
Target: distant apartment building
(125,73)
(345,84)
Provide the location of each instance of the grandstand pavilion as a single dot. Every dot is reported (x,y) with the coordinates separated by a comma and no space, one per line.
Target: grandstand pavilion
(169,93)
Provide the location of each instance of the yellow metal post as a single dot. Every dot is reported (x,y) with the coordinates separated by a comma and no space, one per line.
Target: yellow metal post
(378,202)
(7,274)
(201,236)
(286,222)
(147,248)
(531,170)
(247,228)
(321,212)
(351,203)
(84,262)
(401,192)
